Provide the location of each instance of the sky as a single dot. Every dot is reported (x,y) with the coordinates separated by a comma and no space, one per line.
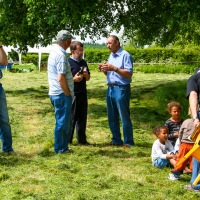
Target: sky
(102,40)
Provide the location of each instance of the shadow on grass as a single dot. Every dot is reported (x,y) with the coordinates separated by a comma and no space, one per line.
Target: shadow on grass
(37,93)
(148,104)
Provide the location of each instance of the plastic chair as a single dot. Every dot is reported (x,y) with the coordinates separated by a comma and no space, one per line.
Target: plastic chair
(195,152)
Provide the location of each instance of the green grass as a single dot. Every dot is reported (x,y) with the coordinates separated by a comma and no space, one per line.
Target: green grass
(91,172)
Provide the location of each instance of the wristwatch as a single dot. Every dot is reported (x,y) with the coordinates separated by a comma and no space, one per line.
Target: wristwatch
(195,118)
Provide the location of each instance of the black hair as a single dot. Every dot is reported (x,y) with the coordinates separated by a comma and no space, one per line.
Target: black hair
(157,129)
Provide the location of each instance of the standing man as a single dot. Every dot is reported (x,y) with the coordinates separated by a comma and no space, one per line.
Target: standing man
(61,90)
(118,70)
(81,74)
(193,88)
(5,129)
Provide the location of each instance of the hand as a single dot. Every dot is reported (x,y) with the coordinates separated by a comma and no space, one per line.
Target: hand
(174,157)
(77,77)
(176,134)
(196,122)
(100,66)
(108,67)
(85,74)
(103,67)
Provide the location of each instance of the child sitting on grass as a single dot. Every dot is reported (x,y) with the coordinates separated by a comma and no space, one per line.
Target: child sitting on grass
(162,150)
(185,132)
(174,122)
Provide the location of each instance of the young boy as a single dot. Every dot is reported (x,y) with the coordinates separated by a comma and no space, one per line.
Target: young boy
(162,149)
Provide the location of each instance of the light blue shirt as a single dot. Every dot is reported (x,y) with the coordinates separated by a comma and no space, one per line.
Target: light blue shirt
(58,64)
(123,60)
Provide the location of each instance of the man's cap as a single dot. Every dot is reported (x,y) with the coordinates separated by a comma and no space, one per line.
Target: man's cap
(64,35)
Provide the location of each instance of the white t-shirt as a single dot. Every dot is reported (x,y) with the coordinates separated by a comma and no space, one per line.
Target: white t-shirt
(160,150)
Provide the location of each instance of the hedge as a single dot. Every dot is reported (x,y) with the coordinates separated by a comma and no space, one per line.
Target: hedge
(148,55)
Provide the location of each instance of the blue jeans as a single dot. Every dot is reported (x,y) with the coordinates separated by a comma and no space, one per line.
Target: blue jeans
(161,162)
(118,101)
(5,129)
(62,105)
(195,173)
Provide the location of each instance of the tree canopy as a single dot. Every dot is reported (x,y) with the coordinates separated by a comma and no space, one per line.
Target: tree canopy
(30,22)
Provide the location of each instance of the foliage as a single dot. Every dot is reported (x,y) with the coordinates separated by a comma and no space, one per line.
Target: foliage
(33,58)
(166,69)
(30,22)
(14,55)
(148,55)
(161,21)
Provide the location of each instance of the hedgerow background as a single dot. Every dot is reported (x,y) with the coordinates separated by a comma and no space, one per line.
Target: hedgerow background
(189,56)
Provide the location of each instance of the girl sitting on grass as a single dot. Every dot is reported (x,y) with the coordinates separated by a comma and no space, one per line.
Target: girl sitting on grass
(162,150)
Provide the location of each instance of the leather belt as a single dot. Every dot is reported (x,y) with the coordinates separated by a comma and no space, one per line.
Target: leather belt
(111,85)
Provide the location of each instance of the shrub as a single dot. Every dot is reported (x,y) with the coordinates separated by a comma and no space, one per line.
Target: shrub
(166,69)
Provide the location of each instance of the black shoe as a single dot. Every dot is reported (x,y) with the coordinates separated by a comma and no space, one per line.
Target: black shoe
(84,143)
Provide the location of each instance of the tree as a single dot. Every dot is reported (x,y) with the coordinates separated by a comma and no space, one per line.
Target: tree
(30,22)
(162,21)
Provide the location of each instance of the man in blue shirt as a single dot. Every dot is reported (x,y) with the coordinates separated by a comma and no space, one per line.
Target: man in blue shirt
(61,90)
(119,70)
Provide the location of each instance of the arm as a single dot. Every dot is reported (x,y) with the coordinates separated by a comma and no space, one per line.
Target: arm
(63,84)
(122,72)
(193,102)
(77,78)
(3,57)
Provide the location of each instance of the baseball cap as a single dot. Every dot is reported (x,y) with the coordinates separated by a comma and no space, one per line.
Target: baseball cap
(64,35)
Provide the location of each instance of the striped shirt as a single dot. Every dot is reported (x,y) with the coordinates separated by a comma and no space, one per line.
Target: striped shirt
(58,64)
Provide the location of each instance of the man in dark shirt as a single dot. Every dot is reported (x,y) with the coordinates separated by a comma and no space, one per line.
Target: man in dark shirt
(81,74)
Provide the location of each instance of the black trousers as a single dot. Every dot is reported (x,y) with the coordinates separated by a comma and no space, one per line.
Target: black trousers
(79,117)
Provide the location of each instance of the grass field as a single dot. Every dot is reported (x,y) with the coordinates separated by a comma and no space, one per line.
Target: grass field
(96,171)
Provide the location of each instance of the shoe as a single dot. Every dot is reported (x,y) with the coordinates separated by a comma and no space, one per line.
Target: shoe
(68,151)
(84,143)
(172,177)
(190,188)
(126,146)
(113,144)
(12,153)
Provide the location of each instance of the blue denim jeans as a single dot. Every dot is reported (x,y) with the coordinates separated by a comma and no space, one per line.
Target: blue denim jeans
(5,129)
(62,105)
(118,101)
(160,163)
(195,173)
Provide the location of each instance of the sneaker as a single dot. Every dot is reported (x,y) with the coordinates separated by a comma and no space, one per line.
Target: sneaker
(190,188)
(172,177)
